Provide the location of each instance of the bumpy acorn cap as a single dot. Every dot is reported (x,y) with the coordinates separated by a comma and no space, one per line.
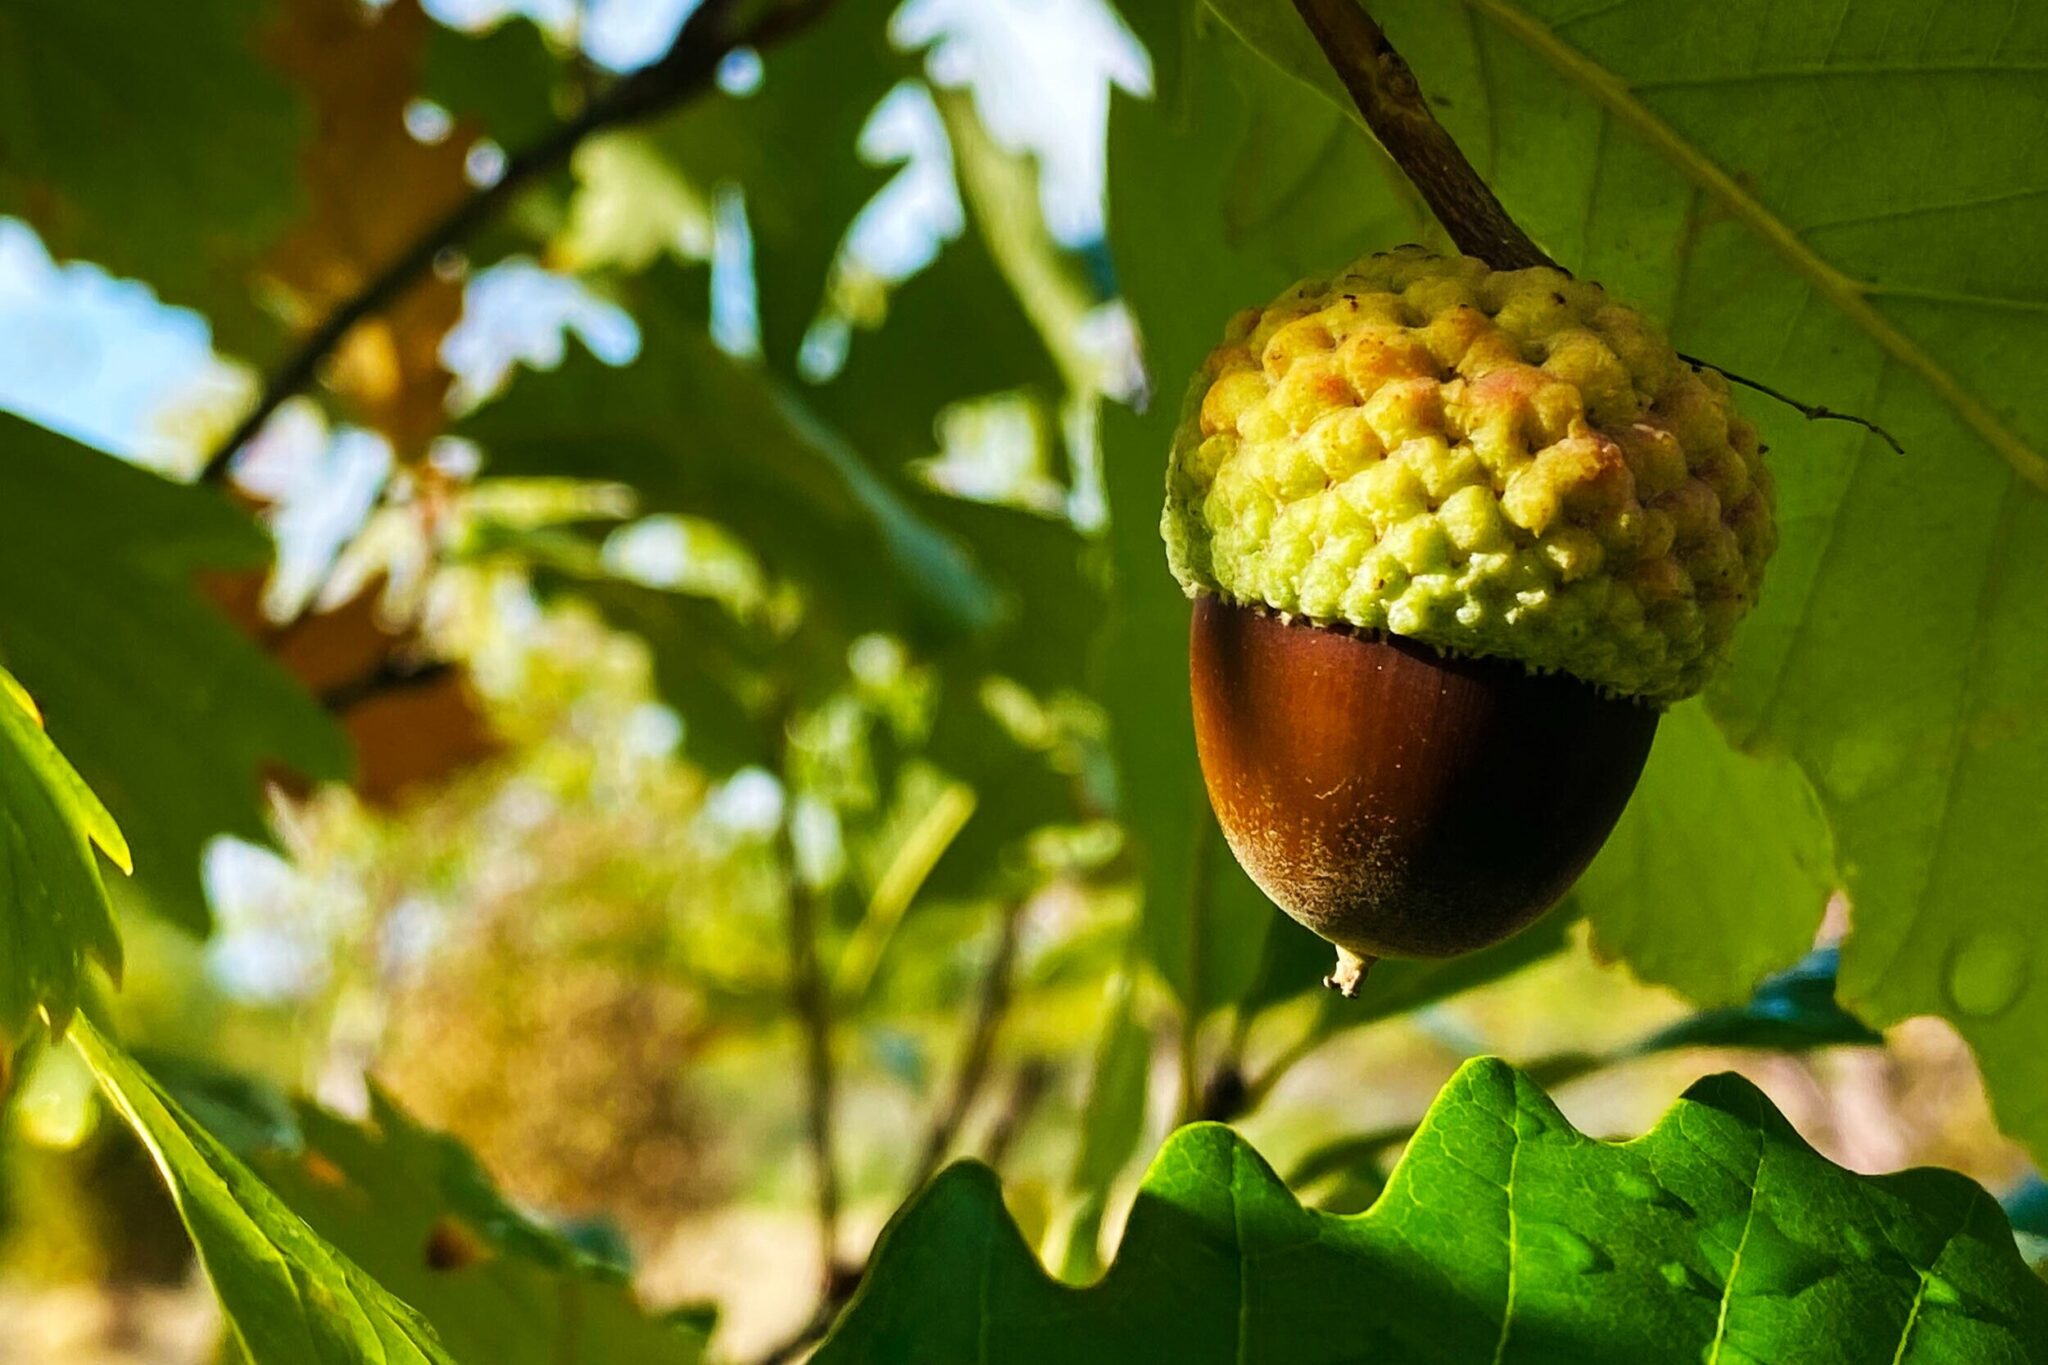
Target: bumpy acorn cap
(1502,463)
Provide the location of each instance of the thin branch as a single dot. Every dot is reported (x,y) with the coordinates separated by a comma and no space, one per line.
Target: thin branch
(688,67)
(993,1001)
(1386,93)
(1187,1108)
(811,1000)
(1812,412)
(1033,1078)
(389,677)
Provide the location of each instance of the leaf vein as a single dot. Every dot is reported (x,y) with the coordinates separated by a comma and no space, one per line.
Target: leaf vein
(1845,294)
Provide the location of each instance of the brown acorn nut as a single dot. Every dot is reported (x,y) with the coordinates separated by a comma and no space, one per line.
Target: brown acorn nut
(1455,536)
(1399,801)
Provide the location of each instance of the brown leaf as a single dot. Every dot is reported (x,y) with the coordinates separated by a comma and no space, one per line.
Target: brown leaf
(412,720)
(371,189)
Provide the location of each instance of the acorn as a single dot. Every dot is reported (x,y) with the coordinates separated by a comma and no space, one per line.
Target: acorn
(1455,537)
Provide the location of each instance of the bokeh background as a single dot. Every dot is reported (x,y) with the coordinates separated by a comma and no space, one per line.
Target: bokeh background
(557,928)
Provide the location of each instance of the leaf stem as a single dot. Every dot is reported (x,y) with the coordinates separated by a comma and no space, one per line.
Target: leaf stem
(1812,412)
(691,63)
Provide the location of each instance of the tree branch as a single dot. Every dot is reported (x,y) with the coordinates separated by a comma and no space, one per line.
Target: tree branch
(993,1002)
(813,1008)
(1027,1088)
(1386,93)
(1188,1106)
(712,31)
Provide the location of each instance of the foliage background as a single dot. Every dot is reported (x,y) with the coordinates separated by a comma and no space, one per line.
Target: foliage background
(720,610)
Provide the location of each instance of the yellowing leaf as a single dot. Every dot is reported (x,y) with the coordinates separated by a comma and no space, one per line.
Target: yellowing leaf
(371,188)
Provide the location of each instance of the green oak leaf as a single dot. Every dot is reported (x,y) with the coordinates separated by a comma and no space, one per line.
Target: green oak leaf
(1503,1235)
(53,907)
(414,1208)
(153,140)
(1715,875)
(695,430)
(290,1297)
(1843,202)
(167,710)
(789,145)
(500,79)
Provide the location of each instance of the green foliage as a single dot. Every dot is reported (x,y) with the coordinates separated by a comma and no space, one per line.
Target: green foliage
(985,591)
(52,903)
(92,94)
(290,1297)
(499,80)
(1504,1235)
(169,713)
(1838,204)
(414,1209)
(789,147)
(696,430)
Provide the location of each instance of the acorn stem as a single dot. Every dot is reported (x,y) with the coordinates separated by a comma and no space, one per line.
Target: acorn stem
(1392,103)
(1350,972)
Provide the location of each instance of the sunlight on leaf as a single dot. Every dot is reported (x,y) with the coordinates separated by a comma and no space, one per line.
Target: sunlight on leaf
(291,1298)
(53,906)
(1503,1234)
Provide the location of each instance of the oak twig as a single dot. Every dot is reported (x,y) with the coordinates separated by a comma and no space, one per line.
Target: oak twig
(810,999)
(1188,1106)
(1386,93)
(713,30)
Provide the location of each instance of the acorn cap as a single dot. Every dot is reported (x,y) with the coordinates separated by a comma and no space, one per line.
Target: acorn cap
(1498,463)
